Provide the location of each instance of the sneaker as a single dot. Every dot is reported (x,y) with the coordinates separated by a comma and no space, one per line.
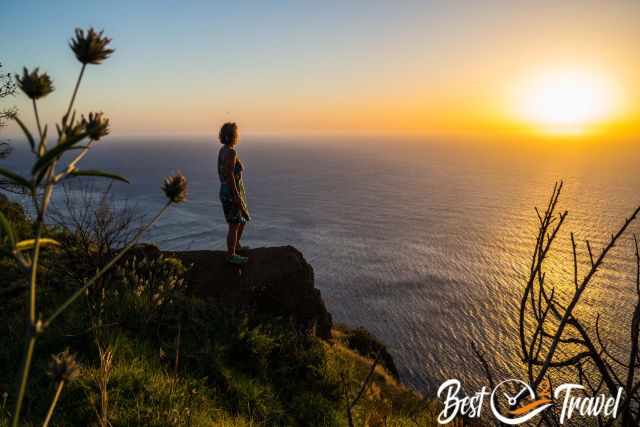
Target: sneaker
(237,259)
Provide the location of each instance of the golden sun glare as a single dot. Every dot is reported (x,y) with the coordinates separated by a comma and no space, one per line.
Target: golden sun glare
(567,101)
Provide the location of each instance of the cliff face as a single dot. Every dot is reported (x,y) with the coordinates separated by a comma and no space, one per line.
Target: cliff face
(276,281)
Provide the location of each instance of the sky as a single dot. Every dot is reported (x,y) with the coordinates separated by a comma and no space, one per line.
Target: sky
(432,67)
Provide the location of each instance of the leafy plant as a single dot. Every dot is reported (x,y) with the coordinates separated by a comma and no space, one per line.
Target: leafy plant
(143,286)
(74,138)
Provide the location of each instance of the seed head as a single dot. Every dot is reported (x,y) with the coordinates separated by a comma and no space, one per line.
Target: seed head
(63,367)
(73,130)
(34,84)
(175,188)
(96,126)
(90,48)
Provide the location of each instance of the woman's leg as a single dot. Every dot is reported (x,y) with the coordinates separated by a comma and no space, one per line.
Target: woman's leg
(232,239)
(240,230)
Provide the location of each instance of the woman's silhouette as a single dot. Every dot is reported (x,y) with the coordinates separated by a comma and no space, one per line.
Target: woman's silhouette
(232,194)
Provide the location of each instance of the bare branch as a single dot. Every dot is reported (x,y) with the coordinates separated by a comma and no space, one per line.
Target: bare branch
(484,363)
(590,253)
(367,380)
(575,262)
(576,298)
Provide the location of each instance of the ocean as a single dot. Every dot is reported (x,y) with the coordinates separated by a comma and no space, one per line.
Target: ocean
(424,242)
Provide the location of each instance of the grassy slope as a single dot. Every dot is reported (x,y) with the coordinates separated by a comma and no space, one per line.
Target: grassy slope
(234,369)
(237,384)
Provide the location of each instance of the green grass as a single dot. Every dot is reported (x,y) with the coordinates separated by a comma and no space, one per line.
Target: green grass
(234,368)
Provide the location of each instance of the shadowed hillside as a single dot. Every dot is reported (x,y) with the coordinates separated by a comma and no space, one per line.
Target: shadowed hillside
(185,339)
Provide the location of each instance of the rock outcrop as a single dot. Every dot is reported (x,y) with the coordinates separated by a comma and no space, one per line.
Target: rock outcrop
(276,281)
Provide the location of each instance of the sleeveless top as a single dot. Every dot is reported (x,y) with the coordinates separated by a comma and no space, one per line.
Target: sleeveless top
(226,192)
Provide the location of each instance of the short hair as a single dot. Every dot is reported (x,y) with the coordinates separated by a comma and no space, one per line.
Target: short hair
(228,133)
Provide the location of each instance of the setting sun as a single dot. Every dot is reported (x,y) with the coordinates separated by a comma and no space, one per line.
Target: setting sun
(568,101)
(328,214)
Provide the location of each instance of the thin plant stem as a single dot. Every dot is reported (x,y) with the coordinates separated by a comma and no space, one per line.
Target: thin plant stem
(34,274)
(73,96)
(34,329)
(54,402)
(36,249)
(25,377)
(31,328)
(72,165)
(35,111)
(104,269)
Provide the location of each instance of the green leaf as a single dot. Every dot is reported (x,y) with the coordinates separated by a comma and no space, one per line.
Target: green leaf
(31,243)
(99,174)
(26,132)
(7,229)
(55,152)
(17,179)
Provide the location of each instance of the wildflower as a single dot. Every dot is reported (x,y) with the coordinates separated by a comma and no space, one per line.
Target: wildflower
(34,84)
(96,126)
(63,367)
(175,188)
(74,131)
(90,48)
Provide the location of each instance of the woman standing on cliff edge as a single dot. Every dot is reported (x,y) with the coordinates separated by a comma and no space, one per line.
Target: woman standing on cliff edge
(232,195)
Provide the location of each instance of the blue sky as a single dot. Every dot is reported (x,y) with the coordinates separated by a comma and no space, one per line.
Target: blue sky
(186,66)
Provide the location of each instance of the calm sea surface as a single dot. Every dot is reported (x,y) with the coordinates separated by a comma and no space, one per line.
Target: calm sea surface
(424,243)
